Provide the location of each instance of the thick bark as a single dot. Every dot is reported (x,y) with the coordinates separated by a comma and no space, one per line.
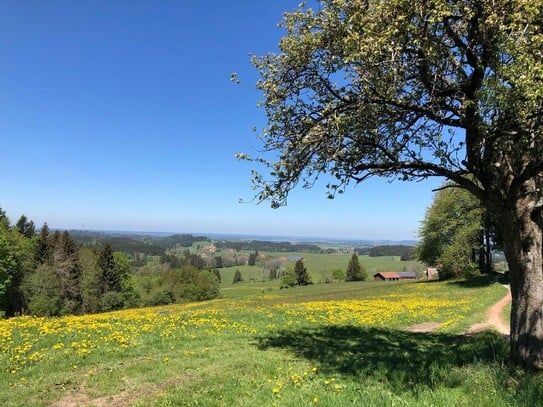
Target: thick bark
(523,237)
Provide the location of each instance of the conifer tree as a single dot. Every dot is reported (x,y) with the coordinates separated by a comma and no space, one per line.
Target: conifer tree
(355,272)
(110,279)
(25,227)
(66,263)
(44,249)
(237,277)
(302,278)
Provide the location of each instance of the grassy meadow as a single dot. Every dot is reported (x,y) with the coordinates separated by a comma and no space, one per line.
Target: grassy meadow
(342,344)
(321,265)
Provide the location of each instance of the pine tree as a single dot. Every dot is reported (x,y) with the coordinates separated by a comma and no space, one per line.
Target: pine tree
(355,272)
(66,262)
(44,249)
(110,279)
(237,277)
(25,227)
(302,278)
(217,274)
(252,259)
(91,281)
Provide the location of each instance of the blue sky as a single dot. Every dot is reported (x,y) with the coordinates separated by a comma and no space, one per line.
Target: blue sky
(120,115)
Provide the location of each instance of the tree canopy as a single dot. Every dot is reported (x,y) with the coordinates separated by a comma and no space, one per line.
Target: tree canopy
(452,232)
(411,89)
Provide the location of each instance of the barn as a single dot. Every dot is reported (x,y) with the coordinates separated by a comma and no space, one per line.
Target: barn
(395,276)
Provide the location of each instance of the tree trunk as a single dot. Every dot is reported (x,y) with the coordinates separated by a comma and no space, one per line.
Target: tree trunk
(522,235)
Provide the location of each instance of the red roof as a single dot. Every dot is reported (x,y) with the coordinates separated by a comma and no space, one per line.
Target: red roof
(388,274)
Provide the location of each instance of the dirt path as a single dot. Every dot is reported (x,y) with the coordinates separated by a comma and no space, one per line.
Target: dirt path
(494,319)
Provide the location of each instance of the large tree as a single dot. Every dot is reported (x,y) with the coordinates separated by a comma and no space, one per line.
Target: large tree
(412,89)
(452,233)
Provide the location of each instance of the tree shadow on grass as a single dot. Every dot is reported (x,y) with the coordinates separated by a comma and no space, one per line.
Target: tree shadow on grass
(476,282)
(401,358)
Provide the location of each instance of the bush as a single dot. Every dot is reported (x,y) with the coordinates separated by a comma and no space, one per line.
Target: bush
(111,300)
(190,284)
(338,275)
(289,278)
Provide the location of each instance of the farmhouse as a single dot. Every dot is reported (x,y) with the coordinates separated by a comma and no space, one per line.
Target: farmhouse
(395,276)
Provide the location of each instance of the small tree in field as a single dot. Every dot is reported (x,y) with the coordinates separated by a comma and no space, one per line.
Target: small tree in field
(355,272)
(302,278)
(237,277)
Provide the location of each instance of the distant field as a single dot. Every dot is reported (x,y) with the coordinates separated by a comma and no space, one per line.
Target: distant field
(334,345)
(319,265)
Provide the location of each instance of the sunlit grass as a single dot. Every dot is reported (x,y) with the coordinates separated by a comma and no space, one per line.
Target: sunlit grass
(333,345)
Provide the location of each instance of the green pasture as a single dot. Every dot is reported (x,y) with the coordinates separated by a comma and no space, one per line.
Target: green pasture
(320,265)
(342,344)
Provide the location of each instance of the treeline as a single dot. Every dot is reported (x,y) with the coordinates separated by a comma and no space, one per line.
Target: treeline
(268,246)
(129,243)
(405,252)
(49,273)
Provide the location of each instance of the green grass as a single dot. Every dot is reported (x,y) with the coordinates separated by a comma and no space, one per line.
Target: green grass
(326,345)
(320,266)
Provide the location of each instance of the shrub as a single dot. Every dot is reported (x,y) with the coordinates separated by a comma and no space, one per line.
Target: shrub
(289,278)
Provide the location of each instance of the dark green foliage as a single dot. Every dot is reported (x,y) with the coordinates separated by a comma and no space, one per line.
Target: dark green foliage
(452,233)
(355,272)
(25,227)
(110,279)
(267,246)
(111,300)
(217,274)
(66,264)
(193,260)
(16,262)
(44,247)
(8,268)
(115,273)
(237,277)
(289,278)
(405,252)
(183,240)
(44,291)
(218,262)
(252,259)
(49,274)
(190,284)
(91,281)
(302,277)
(170,259)
(338,275)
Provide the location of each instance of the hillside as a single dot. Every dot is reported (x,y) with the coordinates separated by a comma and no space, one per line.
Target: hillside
(330,345)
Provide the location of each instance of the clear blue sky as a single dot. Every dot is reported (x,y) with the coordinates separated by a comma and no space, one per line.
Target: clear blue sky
(121,115)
